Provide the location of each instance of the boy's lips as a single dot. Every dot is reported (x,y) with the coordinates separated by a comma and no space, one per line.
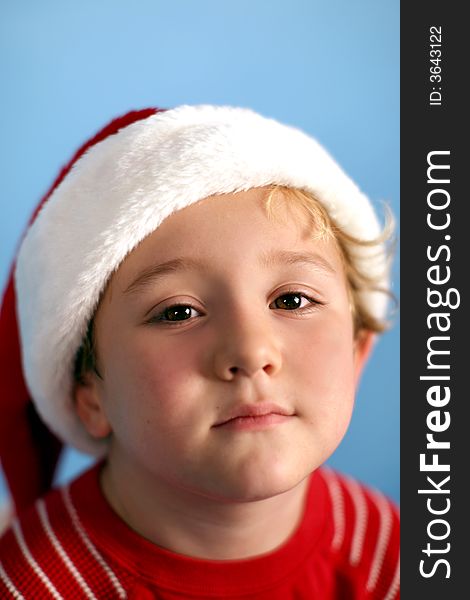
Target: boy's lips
(254,416)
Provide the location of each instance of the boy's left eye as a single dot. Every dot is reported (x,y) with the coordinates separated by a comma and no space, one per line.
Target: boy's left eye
(292,301)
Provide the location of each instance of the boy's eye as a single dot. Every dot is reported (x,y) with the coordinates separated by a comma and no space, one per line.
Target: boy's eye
(178,312)
(292,301)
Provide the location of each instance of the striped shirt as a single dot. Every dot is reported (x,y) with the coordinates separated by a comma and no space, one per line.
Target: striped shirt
(72,545)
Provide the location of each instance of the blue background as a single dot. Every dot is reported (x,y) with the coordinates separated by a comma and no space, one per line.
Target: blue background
(330,68)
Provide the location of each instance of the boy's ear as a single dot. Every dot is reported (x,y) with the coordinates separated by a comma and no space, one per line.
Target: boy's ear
(89,407)
(363,345)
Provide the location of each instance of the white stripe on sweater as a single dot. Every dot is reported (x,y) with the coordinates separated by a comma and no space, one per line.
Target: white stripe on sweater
(385,529)
(360,522)
(89,544)
(32,563)
(337,502)
(44,518)
(9,584)
(395,585)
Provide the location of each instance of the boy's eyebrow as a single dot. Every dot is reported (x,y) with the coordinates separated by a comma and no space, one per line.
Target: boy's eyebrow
(268,259)
(154,272)
(290,257)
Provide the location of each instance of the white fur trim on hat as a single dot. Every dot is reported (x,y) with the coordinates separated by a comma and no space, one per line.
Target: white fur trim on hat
(119,192)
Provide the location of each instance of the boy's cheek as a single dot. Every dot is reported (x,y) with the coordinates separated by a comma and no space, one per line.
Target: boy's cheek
(327,349)
(156,387)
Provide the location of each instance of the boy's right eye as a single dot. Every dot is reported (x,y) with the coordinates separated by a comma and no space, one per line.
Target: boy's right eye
(175,313)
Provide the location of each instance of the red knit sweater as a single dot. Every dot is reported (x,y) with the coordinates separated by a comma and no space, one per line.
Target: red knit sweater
(72,545)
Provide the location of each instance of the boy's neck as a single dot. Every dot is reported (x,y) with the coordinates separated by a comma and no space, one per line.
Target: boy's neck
(198,526)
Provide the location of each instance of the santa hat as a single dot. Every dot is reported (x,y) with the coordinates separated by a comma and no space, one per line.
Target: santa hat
(117,190)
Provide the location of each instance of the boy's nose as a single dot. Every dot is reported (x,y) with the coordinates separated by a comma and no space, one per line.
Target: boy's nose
(245,349)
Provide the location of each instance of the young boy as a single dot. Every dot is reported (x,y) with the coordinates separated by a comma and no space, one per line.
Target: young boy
(196,300)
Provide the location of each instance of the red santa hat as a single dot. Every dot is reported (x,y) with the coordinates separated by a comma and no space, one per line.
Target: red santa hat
(117,190)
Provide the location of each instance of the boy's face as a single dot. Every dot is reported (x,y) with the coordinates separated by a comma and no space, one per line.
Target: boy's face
(225,343)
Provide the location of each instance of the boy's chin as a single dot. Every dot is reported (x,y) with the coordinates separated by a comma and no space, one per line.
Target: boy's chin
(259,492)
(255,485)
